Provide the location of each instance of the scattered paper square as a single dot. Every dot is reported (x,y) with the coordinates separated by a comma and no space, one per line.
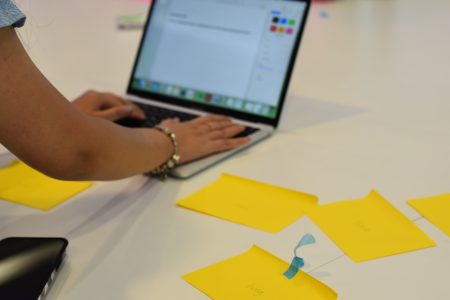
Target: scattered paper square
(22,184)
(256,274)
(252,203)
(369,228)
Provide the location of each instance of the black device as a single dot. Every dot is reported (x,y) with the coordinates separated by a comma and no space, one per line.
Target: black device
(28,266)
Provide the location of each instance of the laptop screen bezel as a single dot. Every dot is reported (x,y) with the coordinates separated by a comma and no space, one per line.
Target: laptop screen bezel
(216,109)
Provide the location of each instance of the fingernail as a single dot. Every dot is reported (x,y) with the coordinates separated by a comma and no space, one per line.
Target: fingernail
(138,114)
(128,108)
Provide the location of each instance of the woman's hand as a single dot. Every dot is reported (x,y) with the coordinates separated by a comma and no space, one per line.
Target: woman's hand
(205,135)
(107,106)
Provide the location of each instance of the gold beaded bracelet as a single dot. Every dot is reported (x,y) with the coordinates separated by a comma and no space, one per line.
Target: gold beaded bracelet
(162,171)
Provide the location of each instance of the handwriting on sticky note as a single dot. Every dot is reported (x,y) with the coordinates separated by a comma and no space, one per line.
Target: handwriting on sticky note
(361,226)
(256,291)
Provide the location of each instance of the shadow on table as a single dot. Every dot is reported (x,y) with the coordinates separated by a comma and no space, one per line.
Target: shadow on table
(127,201)
(131,203)
(300,112)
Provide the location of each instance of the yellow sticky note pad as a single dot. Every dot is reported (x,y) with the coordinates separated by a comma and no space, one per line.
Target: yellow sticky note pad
(23,185)
(256,274)
(255,204)
(436,209)
(369,228)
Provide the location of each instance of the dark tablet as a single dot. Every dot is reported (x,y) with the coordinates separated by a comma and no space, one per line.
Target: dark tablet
(28,265)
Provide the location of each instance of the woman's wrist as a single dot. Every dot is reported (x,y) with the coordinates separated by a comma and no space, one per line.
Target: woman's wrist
(162,171)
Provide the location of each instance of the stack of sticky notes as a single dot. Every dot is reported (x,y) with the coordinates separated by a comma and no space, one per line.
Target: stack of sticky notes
(255,204)
(21,184)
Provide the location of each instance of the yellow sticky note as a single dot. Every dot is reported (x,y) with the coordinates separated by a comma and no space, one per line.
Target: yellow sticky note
(256,274)
(255,204)
(436,209)
(23,185)
(369,228)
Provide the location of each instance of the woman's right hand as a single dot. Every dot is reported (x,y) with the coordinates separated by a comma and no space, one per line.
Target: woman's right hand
(107,106)
(205,135)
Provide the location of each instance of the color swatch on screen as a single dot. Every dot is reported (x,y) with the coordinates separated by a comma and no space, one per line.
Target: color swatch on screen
(369,228)
(436,209)
(282,25)
(256,274)
(248,202)
(21,184)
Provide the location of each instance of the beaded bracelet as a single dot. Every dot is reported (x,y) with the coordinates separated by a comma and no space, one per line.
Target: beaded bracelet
(162,171)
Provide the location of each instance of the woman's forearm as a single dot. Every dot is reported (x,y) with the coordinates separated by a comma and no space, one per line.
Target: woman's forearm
(43,129)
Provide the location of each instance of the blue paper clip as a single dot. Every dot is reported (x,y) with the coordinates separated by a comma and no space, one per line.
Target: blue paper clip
(298,262)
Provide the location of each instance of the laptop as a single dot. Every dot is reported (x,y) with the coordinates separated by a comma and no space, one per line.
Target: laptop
(228,57)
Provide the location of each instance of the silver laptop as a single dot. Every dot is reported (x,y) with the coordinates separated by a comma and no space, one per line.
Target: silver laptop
(228,57)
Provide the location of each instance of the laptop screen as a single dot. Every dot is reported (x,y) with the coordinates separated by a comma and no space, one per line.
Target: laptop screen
(233,55)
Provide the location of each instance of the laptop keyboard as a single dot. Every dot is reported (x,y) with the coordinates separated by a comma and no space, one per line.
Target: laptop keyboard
(155,115)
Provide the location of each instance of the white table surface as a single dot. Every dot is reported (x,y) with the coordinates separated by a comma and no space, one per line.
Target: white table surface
(367,108)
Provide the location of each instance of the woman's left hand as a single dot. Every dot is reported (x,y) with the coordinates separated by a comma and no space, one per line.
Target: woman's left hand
(107,106)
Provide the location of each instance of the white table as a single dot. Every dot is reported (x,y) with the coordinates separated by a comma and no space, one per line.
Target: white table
(367,108)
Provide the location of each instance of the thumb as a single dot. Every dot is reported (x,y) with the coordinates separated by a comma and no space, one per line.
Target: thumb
(116,113)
